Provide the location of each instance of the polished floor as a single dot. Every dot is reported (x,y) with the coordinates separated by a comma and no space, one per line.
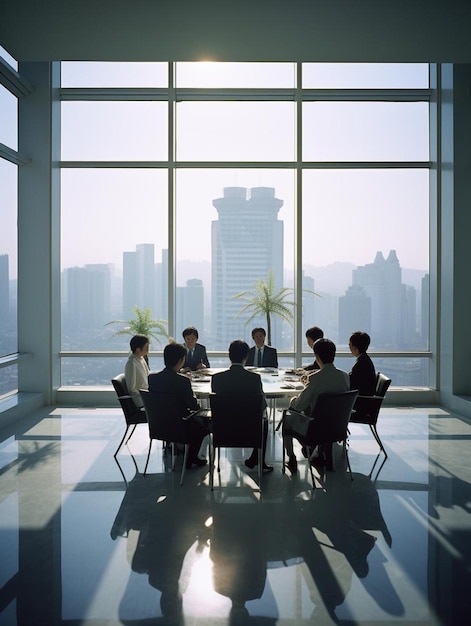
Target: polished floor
(87,541)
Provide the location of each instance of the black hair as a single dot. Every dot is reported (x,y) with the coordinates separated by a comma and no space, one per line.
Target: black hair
(173,352)
(138,341)
(238,351)
(326,349)
(190,330)
(314,333)
(360,340)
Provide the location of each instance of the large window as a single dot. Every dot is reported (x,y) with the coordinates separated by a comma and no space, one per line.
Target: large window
(8,238)
(190,183)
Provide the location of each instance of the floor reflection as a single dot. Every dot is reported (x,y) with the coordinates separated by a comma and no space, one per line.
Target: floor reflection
(86,539)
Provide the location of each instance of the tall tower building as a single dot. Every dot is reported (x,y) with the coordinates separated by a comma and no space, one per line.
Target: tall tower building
(247,242)
(190,306)
(88,297)
(381,281)
(354,313)
(139,280)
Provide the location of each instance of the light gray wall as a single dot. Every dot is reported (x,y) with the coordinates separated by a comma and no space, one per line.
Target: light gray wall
(238,30)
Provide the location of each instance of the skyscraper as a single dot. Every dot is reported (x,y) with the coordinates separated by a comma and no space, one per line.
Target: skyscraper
(382,283)
(88,297)
(139,280)
(190,306)
(247,242)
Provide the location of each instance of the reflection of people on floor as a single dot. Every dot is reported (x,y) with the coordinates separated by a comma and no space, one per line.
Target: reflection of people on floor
(166,534)
(329,533)
(238,554)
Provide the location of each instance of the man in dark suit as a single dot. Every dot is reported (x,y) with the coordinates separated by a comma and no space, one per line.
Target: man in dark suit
(196,357)
(312,335)
(170,381)
(363,374)
(239,380)
(261,355)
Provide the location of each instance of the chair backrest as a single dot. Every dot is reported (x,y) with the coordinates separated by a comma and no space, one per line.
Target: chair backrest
(382,384)
(131,412)
(164,417)
(236,420)
(331,415)
(367,407)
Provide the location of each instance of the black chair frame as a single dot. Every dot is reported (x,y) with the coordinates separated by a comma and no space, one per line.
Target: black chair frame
(326,425)
(236,422)
(366,409)
(133,414)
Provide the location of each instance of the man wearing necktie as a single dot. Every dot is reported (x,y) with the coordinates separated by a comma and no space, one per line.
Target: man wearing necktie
(196,357)
(261,355)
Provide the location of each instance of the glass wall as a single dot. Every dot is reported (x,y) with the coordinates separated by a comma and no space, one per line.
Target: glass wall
(8,238)
(193,184)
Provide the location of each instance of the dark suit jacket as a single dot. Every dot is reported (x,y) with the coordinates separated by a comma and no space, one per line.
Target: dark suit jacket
(270,357)
(199,356)
(312,367)
(363,376)
(168,381)
(237,380)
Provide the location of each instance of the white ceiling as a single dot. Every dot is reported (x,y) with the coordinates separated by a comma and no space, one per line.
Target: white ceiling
(237,30)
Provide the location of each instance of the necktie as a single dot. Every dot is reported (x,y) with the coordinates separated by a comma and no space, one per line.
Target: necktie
(259,358)
(191,355)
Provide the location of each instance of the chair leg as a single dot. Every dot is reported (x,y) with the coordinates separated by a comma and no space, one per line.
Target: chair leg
(185,456)
(131,434)
(148,456)
(378,440)
(348,464)
(121,442)
(260,464)
(212,459)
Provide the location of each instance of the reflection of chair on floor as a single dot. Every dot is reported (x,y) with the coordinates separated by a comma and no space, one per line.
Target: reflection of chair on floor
(327,425)
(132,413)
(366,408)
(167,424)
(236,422)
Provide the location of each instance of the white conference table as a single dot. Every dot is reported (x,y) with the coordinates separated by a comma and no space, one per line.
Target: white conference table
(276,383)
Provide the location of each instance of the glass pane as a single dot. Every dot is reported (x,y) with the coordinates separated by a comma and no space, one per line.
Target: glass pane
(98,370)
(8,118)
(111,74)
(366,249)
(235,75)
(114,131)
(365,131)
(113,253)
(365,76)
(8,379)
(8,260)
(233,227)
(404,372)
(8,58)
(235,131)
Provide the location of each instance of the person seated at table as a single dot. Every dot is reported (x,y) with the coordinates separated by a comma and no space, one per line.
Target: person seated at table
(313,333)
(328,379)
(169,380)
(363,374)
(261,355)
(196,357)
(238,380)
(136,369)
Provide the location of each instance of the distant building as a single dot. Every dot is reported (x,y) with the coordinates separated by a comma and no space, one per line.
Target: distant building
(393,305)
(139,280)
(190,306)
(88,297)
(354,313)
(247,242)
